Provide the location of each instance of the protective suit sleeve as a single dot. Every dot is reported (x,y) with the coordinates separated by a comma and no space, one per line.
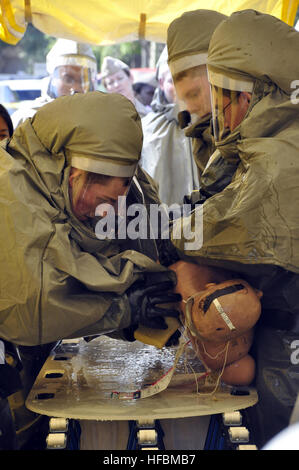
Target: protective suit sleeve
(60,291)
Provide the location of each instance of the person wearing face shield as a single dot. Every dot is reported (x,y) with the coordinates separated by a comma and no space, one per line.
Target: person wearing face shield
(166,153)
(251,226)
(188,38)
(72,68)
(61,276)
(80,155)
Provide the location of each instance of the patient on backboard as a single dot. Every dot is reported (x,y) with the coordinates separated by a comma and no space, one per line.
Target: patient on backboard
(219,313)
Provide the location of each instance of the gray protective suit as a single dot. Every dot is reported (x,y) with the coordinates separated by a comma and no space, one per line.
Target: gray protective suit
(166,153)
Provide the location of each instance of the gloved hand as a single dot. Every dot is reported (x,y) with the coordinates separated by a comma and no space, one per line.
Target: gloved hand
(174,339)
(198,196)
(167,253)
(144,300)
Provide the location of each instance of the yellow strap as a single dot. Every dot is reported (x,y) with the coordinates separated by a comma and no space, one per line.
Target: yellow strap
(142,25)
(28,13)
(10,31)
(289,10)
(9,14)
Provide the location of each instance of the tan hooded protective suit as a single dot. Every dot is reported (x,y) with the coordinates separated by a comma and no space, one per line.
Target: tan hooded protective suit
(58,279)
(188,39)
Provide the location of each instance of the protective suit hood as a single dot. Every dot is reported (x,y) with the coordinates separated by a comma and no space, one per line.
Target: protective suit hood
(68,52)
(108,139)
(159,104)
(266,49)
(72,68)
(188,38)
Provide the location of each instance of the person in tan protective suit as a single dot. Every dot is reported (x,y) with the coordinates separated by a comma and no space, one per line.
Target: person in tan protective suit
(166,152)
(188,38)
(60,279)
(80,152)
(250,227)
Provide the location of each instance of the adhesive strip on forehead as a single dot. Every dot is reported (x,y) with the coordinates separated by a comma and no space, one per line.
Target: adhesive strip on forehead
(223,314)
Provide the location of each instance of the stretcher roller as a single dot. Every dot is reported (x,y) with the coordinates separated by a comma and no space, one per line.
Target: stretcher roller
(56,441)
(232,419)
(58,425)
(147,436)
(238,434)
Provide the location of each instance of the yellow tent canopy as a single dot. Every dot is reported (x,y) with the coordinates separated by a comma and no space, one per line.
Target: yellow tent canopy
(102,22)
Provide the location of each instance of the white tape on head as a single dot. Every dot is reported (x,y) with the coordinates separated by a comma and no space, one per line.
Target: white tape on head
(103,167)
(187,62)
(224,316)
(224,81)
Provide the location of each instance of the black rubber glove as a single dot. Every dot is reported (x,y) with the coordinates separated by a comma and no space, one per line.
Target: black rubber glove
(198,196)
(144,301)
(167,253)
(174,339)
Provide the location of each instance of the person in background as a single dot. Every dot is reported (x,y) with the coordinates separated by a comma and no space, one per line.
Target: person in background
(117,78)
(72,68)
(144,86)
(144,92)
(167,153)
(6,125)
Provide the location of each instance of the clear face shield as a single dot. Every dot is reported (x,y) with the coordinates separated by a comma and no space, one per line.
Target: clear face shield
(100,199)
(229,102)
(225,111)
(74,74)
(193,93)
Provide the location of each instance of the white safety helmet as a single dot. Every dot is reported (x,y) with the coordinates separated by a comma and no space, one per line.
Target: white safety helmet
(72,67)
